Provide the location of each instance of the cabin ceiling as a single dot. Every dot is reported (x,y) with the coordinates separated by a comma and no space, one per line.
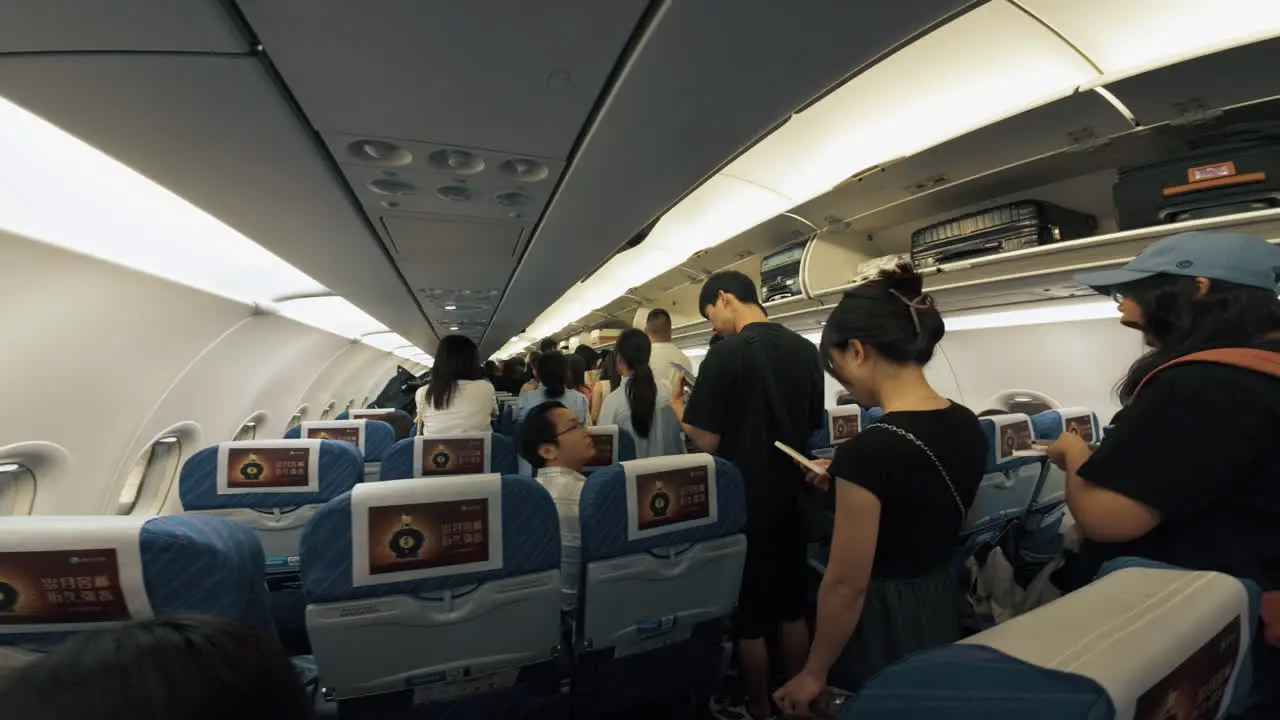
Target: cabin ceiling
(413,155)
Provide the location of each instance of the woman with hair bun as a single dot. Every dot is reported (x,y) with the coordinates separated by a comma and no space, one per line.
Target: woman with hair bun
(903,489)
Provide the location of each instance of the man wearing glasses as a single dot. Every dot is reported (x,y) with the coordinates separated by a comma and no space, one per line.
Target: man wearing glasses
(557,445)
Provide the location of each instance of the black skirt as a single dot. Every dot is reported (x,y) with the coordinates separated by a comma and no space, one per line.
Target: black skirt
(900,617)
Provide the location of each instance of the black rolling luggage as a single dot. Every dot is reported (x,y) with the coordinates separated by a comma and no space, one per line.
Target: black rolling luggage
(1016,225)
(1228,172)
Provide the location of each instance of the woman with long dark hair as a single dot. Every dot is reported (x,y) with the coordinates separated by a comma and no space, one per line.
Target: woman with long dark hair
(1189,474)
(553,380)
(578,375)
(606,382)
(531,379)
(639,407)
(903,488)
(457,399)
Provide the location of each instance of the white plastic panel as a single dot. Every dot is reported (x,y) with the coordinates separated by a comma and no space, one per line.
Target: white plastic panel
(121,25)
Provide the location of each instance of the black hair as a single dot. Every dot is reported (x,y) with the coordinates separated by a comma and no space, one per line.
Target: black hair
(729,281)
(513,369)
(489,369)
(577,370)
(457,358)
(537,429)
(548,345)
(889,312)
(553,373)
(193,668)
(1179,321)
(532,367)
(992,413)
(588,355)
(634,347)
(658,322)
(609,369)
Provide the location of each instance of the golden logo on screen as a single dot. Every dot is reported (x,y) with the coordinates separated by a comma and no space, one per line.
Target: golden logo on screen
(1196,689)
(604,450)
(1015,436)
(844,427)
(456,456)
(1081,425)
(60,586)
(429,535)
(345,434)
(671,497)
(266,467)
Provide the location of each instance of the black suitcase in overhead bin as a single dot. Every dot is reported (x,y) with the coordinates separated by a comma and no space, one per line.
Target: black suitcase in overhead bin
(1224,173)
(1013,226)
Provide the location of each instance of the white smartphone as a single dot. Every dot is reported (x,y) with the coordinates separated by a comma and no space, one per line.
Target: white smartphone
(686,372)
(806,462)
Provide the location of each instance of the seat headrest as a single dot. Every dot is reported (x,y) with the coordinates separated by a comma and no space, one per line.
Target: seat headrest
(399,420)
(605,438)
(413,537)
(372,437)
(449,454)
(1008,437)
(73,573)
(268,474)
(843,423)
(657,502)
(1082,421)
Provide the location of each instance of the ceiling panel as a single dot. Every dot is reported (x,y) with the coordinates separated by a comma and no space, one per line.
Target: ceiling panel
(709,78)
(504,75)
(1191,88)
(183,121)
(132,25)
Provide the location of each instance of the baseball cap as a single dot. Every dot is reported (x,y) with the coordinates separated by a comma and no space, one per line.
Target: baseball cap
(1231,257)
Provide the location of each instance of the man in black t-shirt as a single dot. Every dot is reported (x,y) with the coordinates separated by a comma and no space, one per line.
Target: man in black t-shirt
(762,383)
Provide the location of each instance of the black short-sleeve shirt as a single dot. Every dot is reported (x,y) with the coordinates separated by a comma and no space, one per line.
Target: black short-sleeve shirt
(1199,444)
(731,399)
(919,517)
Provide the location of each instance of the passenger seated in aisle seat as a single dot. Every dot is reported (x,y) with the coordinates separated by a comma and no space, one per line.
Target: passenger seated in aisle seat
(903,488)
(556,443)
(606,383)
(531,380)
(640,406)
(761,385)
(553,369)
(457,399)
(1190,474)
(165,669)
(578,375)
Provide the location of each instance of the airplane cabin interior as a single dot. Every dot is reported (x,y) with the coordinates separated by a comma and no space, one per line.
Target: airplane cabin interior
(234,232)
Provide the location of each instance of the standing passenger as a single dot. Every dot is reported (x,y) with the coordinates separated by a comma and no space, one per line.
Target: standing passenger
(761,384)
(902,490)
(658,327)
(640,407)
(457,399)
(553,371)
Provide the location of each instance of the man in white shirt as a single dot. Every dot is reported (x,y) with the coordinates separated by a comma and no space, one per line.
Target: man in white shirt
(556,443)
(658,327)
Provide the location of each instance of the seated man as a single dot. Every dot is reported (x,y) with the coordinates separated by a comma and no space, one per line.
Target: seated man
(554,441)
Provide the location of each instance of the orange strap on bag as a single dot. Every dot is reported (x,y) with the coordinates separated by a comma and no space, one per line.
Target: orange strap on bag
(1267,363)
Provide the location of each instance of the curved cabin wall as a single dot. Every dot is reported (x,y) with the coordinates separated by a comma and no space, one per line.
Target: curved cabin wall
(102,360)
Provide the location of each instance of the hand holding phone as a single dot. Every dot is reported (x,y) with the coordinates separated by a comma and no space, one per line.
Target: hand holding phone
(817,469)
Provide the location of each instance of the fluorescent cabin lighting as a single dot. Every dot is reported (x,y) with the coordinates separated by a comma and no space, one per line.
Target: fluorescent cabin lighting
(413,354)
(64,192)
(935,89)
(9,467)
(333,314)
(387,341)
(1092,310)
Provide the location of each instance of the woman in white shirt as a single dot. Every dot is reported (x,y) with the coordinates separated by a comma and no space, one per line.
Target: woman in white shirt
(457,399)
(637,406)
(553,378)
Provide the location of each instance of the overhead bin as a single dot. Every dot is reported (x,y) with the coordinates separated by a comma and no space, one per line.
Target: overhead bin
(204,26)
(1191,89)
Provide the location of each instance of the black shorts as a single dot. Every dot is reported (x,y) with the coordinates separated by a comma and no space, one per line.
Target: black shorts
(774,579)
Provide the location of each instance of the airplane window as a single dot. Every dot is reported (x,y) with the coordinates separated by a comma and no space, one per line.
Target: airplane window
(159,464)
(298,416)
(249,430)
(17,489)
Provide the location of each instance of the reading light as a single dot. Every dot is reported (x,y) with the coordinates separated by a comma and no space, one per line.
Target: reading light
(9,467)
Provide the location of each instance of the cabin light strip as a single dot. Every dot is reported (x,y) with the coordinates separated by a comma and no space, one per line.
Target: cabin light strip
(929,92)
(61,191)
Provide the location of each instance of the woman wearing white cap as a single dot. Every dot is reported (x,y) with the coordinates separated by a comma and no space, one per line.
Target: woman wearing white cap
(1190,474)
